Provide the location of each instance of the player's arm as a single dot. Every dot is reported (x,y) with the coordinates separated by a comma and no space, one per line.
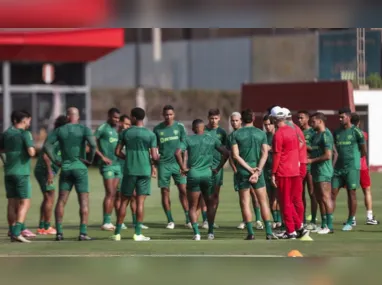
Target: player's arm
(28,140)
(264,153)
(224,152)
(179,160)
(118,150)
(361,142)
(98,135)
(89,137)
(154,153)
(327,144)
(236,156)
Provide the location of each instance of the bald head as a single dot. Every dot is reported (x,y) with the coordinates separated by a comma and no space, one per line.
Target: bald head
(73,115)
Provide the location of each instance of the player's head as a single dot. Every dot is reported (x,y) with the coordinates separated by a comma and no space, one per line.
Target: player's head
(355,119)
(303,118)
(318,121)
(345,116)
(20,119)
(278,115)
(124,122)
(60,121)
(113,116)
(29,118)
(137,115)
(73,115)
(198,126)
(268,124)
(168,114)
(214,117)
(247,116)
(235,119)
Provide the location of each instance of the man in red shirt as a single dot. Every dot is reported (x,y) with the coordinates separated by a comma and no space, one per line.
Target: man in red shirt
(365,181)
(286,175)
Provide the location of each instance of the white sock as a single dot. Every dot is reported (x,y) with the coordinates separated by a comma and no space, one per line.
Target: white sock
(369,214)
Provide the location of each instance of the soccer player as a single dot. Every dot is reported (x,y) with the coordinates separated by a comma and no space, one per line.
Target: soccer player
(110,168)
(271,190)
(303,120)
(139,143)
(216,131)
(322,170)
(286,175)
(250,150)
(45,172)
(350,144)
(72,139)
(199,169)
(18,146)
(365,180)
(169,135)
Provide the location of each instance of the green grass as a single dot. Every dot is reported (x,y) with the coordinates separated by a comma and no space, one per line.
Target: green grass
(362,241)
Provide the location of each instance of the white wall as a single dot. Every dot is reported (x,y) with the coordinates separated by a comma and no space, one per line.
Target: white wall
(372,98)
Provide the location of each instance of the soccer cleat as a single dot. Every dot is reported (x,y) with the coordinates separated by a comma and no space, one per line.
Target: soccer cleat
(259,225)
(108,227)
(324,231)
(372,221)
(302,232)
(316,230)
(216,226)
(288,236)
(241,226)
(188,225)
(28,234)
(140,238)
(19,238)
(271,236)
(116,237)
(250,237)
(59,237)
(83,237)
(205,225)
(353,224)
(211,237)
(347,228)
(170,226)
(50,231)
(123,227)
(40,231)
(196,237)
(143,227)
(311,227)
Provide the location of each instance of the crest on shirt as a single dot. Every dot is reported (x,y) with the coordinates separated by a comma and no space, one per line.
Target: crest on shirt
(176,132)
(349,137)
(110,133)
(161,133)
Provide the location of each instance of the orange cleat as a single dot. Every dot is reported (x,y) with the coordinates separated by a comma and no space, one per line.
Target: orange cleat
(50,231)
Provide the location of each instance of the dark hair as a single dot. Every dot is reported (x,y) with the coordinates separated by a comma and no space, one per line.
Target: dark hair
(27,113)
(213,112)
(305,112)
(355,119)
(138,113)
(319,115)
(270,108)
(268,117)
(60,121)
(18,116)
(345,110)
(196,123)
(168,107)
(113,111)
(247,116)
(124,117)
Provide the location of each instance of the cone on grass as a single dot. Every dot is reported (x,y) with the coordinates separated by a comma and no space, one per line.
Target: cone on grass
(306,238)
(295,253)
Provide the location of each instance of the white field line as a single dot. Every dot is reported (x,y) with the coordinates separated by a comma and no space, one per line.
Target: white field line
(140,255)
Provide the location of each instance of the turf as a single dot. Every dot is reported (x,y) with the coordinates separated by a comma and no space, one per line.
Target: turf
(362,241)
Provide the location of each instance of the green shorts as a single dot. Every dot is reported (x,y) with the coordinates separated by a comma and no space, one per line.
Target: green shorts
(141,185)
(321,178)
(235,182)
(200,183)
(243,181)
(75,177)
(41,176)
(168,170)
(348,179)
(18,186)
(111,171)
(217,180)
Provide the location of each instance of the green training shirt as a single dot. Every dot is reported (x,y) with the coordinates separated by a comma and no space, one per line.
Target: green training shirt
(321,142)
(107,137)
(221,135)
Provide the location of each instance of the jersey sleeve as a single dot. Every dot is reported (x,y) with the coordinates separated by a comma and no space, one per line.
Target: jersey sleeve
(264,138)
(28,139)
(182,132)
(232,140)
(327,141)
(89,137)
(277,142)
(99,131)
(153,140)
(155,131)
(359,136)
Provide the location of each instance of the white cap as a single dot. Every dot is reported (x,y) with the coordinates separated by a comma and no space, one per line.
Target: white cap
(287,113)
(277,112)
(236,114)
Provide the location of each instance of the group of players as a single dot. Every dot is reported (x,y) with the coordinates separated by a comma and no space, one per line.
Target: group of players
(270,169)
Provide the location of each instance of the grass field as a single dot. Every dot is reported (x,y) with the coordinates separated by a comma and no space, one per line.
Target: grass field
(362,241)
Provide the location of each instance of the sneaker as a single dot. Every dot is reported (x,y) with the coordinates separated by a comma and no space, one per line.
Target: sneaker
(302,232)
(259,225)
(311,227)
(316,230)
(108,227)
(372,221)
(216,226)
(347,228)
(140,238)
(50,231)
(124,227)
(271,236)
(205,225)
(19,238)
(59,237)
(288,236)
(82,237)
(116,237)
(196,237)
(324,231)
(170,226)
(188,225)
(250,237)
(143,227)
(28,234)
(211,237)
(40,231)
(241,226)
(353,224)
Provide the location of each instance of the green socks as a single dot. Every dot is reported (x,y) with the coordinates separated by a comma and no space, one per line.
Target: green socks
(134,216)
(118,229)
(329,221)
(274,216)
(350,220)
(41,225)
(46,225)
(323,221)
(17,229)
(210,228)
(83,229)
(268,227)
(106,219)
(257,214)
(314,218)
(59,228)
(195,228)
(169,217)
(138,228)
(249,227)
(23,227)
(204,216)
(187,217)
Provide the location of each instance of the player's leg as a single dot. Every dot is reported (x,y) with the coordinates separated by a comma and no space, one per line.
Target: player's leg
(217,182)
(13,202)
(352,183)
(365,182)
(337,183)
(118,198)
(246,211)
(193,195)
(324,186)
(143,189)
(110,181)
(81,184)
(121,213)
(313,201)
(65,186)
(256,208)
(133,208)
(203,210)
(319,198)
(208,190)
(180,182)
(164,177)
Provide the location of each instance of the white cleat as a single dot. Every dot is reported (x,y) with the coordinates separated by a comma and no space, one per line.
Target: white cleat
(317,229)
(205,225)
(124,227)
(311,227)
(241,226)
(324,231)
(196,237)
(188,225)
(211,237)
(170,226)
(143,227)
(108,227)
(20,238)
(259,225)
(140,238)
